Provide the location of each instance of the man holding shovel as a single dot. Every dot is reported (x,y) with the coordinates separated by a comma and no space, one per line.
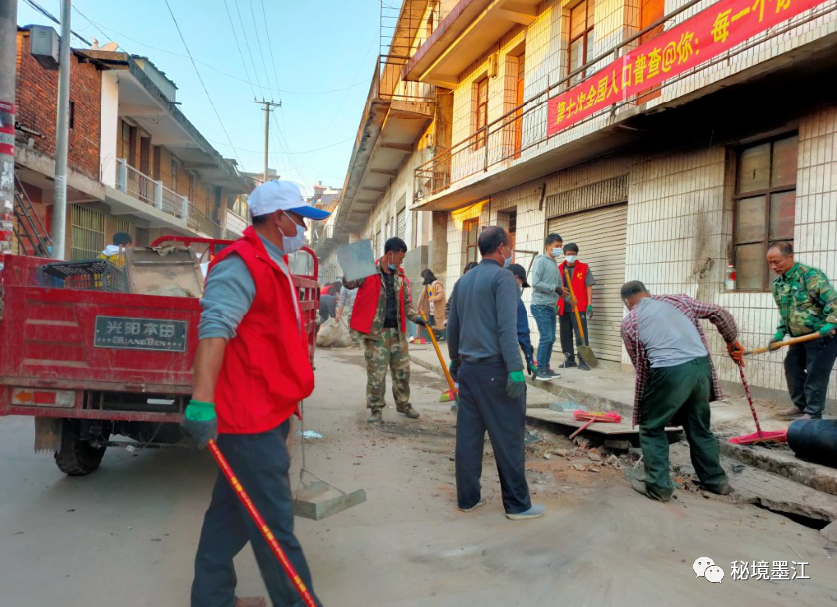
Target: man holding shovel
(807,304)
(581,280)
(675,381)
(383,305)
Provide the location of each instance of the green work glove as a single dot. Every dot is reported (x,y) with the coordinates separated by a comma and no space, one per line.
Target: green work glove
(200,422)
(777,337)
(825,332)
(589,312)
(531,368)
(454,368)
(516,385)
(420,321)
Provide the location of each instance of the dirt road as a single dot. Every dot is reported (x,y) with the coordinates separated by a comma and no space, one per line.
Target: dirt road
(126,535)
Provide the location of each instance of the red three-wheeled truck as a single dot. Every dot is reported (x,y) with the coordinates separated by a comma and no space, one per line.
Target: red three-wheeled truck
(93,351)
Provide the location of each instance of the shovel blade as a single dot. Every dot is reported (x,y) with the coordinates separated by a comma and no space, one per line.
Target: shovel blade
(318,501)
(586,353)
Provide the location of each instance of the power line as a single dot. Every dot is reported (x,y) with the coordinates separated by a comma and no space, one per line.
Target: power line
(200,79)
(238,46)
(259,46)
(52,18)
(247,43)
(270,46)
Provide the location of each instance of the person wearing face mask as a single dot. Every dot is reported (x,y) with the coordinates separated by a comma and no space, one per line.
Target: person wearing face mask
(251,371)
(582,288)
(547,287)
(383,304)
(485,360)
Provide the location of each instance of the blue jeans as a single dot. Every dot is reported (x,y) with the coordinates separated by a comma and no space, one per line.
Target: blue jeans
(546,319)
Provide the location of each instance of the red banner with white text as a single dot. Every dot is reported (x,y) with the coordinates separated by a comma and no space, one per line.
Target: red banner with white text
(697,40)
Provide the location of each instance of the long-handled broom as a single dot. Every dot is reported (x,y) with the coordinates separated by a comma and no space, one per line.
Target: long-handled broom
(257,518)
(453,391)
(759,436)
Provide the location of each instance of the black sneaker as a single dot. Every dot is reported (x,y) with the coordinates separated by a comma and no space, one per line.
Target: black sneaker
(544,375)
(583,366)
(569,363)
(553,373)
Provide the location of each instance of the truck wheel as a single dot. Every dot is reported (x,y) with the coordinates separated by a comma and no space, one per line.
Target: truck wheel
(77,457)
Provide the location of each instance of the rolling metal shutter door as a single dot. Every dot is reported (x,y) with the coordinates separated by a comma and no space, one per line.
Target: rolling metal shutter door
(601,236)
(401,224)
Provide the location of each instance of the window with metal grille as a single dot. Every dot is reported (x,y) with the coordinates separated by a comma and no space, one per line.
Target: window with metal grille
(481,112)
(88,232)
(378,244)
(765,203)
(471,229)
(581,37)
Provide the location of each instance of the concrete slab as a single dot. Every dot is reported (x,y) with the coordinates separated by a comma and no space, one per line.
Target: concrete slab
(755,486)
(782,461)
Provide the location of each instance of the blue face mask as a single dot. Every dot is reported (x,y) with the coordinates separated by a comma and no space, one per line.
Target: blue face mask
(392,266)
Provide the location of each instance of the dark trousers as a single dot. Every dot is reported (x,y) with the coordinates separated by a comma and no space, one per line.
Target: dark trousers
(570,334)
(679,395)
(484,405)
(807,370)
(261,463)
(545,319)
(439,333)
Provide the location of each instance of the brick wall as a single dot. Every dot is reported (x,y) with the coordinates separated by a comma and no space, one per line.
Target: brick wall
(37,98)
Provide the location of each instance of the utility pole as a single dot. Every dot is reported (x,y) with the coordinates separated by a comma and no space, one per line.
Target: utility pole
(8,72)
(62,137)
(267,109)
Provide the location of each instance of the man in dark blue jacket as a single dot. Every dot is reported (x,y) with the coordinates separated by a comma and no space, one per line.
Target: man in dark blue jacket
(523,320)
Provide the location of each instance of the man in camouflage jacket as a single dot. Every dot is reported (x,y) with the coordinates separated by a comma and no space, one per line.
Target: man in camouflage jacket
(807,303)
(383,305)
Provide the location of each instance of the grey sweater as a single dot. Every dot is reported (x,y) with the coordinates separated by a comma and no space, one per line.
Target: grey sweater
(483,316)
(230,292)
(544,278)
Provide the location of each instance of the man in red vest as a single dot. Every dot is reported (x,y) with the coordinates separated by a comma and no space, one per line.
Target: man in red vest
(383,304)
(251,371)
(582,282)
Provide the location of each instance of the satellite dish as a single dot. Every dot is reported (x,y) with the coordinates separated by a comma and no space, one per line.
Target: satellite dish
(110,46)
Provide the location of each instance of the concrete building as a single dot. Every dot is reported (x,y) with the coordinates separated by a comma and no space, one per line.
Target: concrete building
(668,139)
(136,163)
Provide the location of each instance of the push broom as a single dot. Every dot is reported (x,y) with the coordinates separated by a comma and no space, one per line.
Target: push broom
(453,393)
(759,436)
(257,518)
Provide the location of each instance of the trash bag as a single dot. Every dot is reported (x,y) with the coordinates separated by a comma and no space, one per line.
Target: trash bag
(333,334)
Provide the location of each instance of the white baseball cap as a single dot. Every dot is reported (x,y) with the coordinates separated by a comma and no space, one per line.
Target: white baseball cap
(275,196)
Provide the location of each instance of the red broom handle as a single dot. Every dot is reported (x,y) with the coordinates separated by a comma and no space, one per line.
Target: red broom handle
(257,518)
(749,399)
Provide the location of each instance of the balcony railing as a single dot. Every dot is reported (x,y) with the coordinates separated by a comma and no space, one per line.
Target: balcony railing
(522,132)
(201,222)
(147,190)
(387,84)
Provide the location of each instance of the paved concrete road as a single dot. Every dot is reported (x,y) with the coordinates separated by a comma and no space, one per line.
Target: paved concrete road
(125,536)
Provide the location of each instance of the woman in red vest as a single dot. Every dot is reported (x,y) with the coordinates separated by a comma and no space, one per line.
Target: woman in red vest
(251,371)
(383,305)
(582,282)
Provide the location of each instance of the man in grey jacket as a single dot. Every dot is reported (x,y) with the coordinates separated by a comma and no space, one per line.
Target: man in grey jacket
(547,286)
(486,361)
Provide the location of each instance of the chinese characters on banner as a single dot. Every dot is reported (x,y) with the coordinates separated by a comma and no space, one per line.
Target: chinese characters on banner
(697,40)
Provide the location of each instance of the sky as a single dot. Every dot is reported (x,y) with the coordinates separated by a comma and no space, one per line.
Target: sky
(315,56)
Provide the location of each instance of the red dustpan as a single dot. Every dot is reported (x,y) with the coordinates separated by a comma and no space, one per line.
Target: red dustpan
(758,436)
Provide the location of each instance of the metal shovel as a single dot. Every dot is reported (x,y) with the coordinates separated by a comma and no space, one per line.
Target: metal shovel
(584,350)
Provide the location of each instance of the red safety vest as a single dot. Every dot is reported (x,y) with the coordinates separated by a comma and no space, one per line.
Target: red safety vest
(368,298)
(578,279)
(266,371)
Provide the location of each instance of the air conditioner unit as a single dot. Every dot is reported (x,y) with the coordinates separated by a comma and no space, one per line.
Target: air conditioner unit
(493,60)
(44,46)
